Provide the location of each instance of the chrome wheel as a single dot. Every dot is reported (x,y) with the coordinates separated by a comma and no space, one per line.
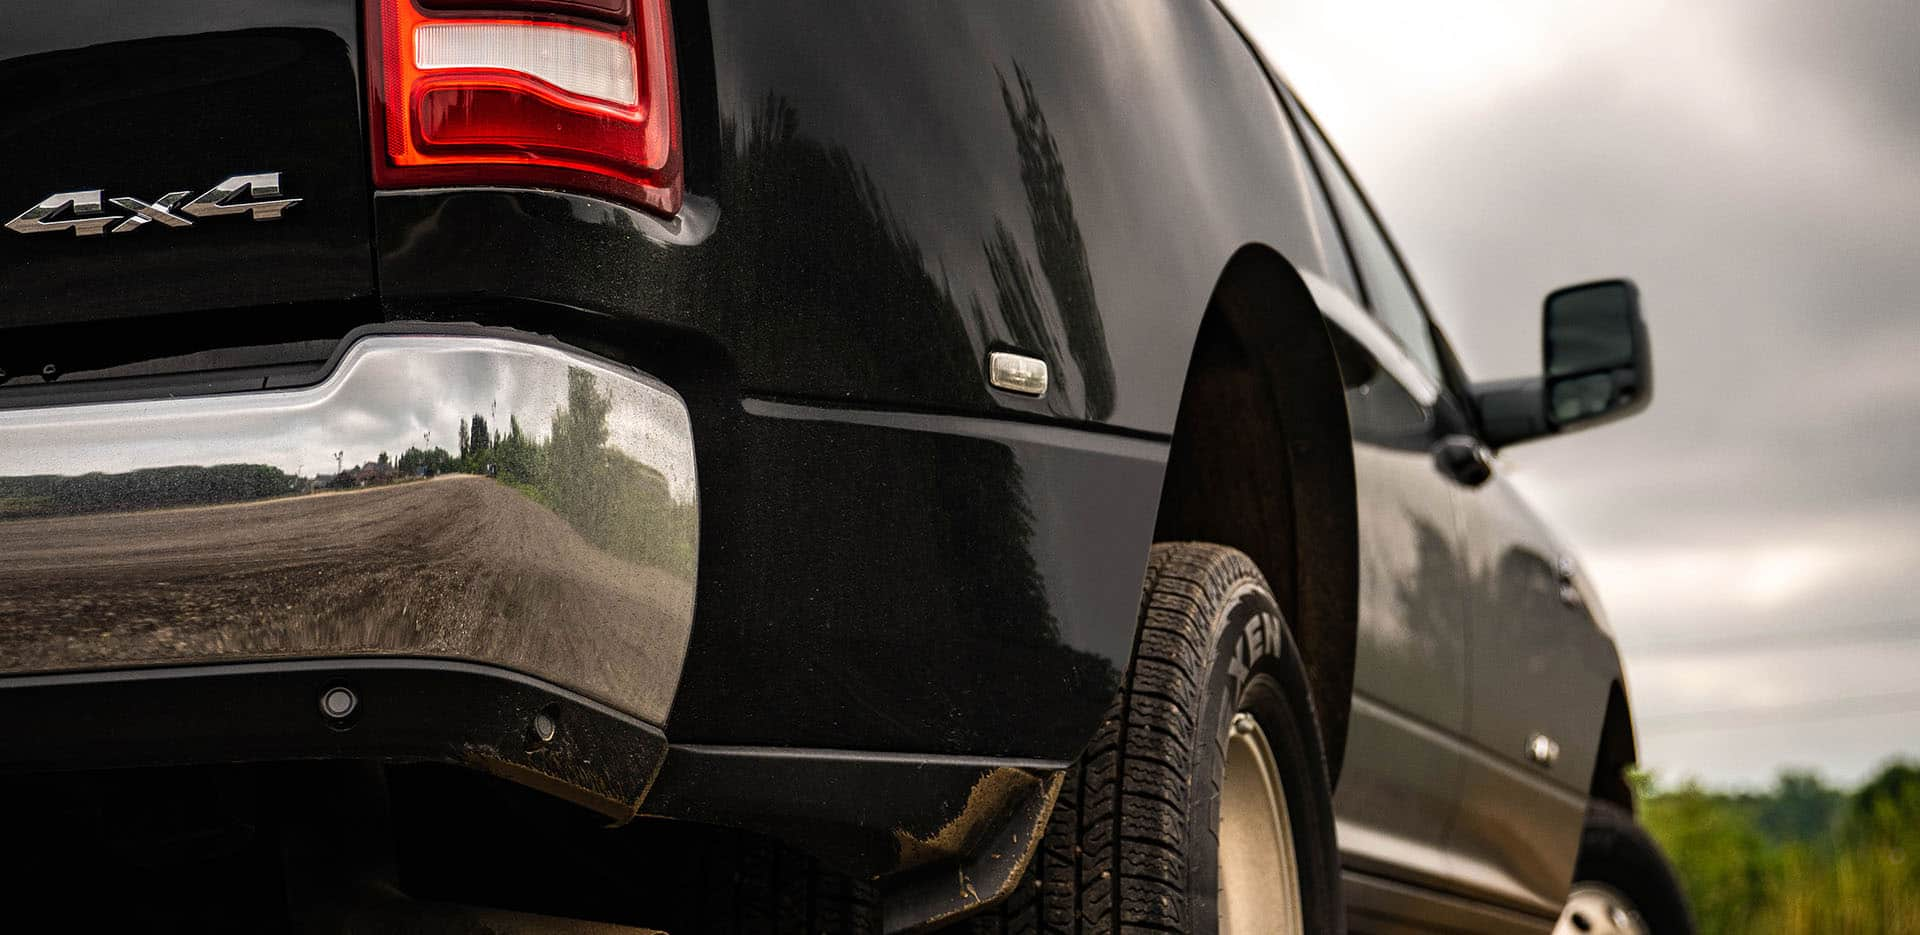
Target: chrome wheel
(1599,909)
(1259,871)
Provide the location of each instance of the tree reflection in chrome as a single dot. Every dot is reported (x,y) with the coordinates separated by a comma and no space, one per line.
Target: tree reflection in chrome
(613,501)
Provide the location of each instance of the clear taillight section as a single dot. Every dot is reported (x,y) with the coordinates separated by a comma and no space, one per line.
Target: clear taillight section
(569,94)
(582,62)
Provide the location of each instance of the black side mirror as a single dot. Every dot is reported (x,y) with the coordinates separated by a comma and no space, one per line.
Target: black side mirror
(1598,368)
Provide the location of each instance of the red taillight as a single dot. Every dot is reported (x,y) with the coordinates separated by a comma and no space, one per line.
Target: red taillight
(570,94)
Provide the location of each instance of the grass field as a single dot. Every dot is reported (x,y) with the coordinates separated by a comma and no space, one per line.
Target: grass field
(1801,858)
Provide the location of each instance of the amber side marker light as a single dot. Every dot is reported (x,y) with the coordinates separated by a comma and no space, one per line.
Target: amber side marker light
(566,94)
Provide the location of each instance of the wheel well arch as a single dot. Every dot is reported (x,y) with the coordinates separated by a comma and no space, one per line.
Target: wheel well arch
(1262,461)
(1618,750)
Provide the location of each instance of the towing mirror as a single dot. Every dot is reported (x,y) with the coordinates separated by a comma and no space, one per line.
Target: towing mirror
(1598,368)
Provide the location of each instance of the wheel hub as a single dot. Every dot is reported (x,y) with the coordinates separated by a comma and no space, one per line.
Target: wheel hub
(1259,870)
(1598,909)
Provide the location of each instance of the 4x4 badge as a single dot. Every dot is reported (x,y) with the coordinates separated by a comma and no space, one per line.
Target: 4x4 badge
(84,212)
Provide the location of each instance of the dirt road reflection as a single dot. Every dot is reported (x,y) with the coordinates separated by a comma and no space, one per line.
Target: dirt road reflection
(458,566)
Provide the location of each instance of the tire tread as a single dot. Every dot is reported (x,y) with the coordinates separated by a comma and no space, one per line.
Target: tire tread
(1122,809)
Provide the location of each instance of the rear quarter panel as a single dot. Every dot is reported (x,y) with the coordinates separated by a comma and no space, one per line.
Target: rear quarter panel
(900,189)
(905,186)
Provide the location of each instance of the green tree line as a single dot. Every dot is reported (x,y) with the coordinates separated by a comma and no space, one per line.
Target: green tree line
(144,489)
(611,499)
(1798,859)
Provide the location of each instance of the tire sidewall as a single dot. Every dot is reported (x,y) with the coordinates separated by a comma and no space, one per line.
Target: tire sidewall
(1254,667)
(1616,851)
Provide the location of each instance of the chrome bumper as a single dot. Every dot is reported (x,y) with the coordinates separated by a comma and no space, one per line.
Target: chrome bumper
(363,515)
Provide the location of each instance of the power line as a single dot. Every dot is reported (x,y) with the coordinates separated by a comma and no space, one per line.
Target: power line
(1858,634)
(1822,709)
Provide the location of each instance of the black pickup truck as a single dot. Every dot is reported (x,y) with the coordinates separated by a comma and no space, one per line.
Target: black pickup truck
(765,465)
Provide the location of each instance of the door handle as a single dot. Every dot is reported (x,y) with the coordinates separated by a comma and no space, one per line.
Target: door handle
(1542,751)
(1564,571)
(1464,459)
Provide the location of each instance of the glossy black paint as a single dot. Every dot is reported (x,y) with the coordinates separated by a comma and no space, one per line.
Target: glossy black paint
(843,250)
(990,610)
(866,253)
(893,556)
(863,582)
(141,99)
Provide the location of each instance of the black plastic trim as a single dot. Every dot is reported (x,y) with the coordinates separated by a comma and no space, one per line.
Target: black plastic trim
(419,710)
(869,814)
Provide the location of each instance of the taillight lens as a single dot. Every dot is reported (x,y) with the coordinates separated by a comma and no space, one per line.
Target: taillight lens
(570,94)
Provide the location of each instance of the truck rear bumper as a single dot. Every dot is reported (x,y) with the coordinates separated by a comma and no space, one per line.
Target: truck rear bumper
(408,710)
(519,505)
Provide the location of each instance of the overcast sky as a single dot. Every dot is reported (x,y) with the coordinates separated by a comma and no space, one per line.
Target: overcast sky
(1755,166)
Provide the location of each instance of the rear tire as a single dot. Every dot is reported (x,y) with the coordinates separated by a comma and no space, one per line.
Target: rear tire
(1134,842)
(1622,883)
